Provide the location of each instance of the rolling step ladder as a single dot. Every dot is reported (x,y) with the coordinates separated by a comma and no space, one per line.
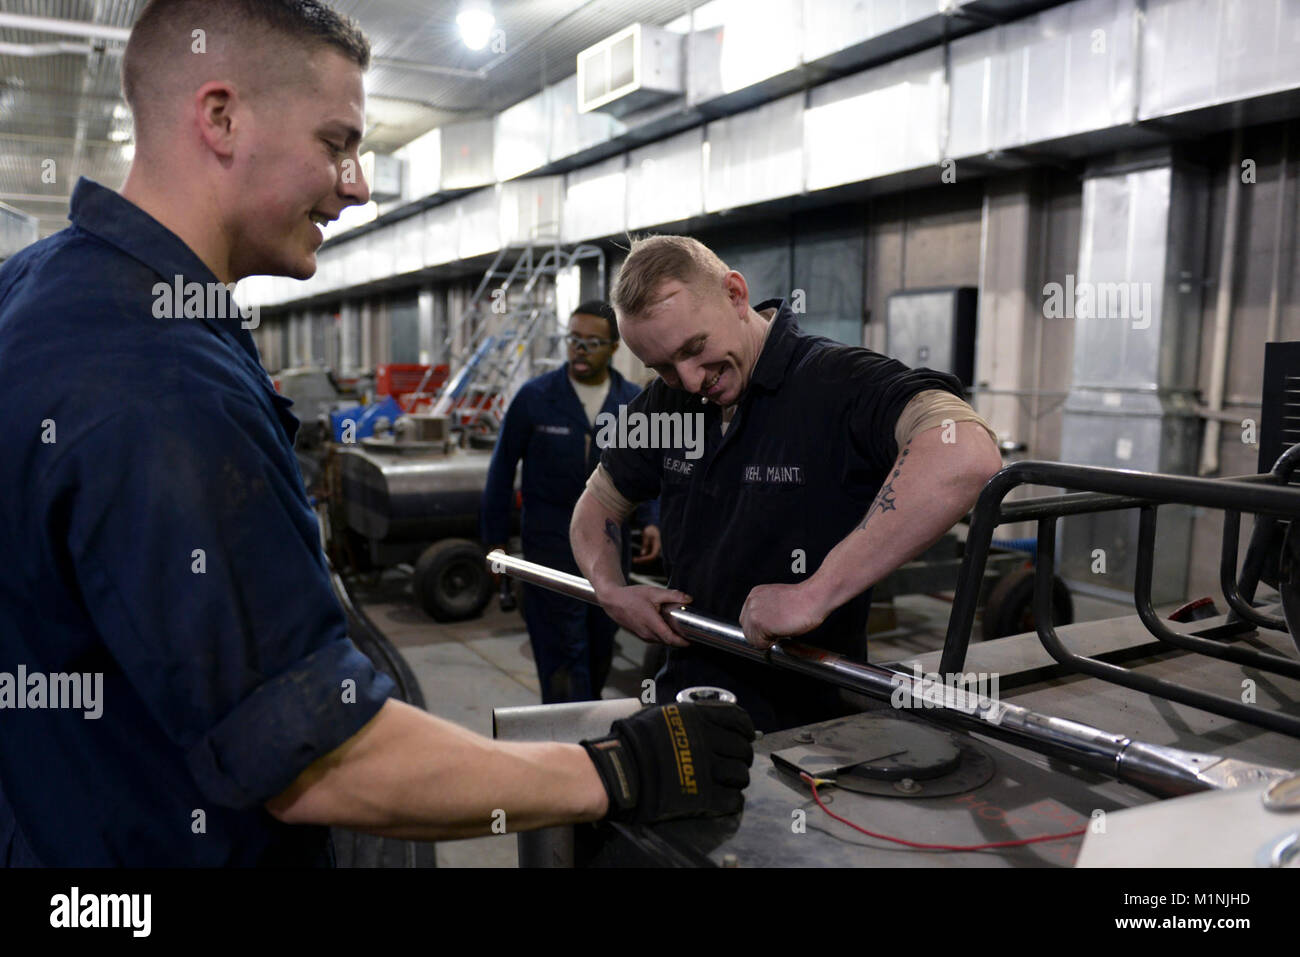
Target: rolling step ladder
(512,328)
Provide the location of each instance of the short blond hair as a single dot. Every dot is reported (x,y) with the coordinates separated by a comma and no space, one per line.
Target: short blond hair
(654,260)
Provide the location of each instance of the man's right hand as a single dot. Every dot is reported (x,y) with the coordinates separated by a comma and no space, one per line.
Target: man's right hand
(679,760)
(636,608)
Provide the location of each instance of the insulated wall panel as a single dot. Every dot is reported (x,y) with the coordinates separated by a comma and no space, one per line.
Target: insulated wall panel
(755,155)
(383,252)
(357,261)
(1067,70)
(832,25)
(423,157)
(1070,69)
(874,123)
(595,200)
(522,137)
(760,38)
(480,222)
(978,77)
(330,272)
(1199,53)
(664,180)
(738,43)
(571,131)
(440,230)
(408,244)
(467,154)
(530,210)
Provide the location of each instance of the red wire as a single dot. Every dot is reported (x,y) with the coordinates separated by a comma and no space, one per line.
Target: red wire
(934,847)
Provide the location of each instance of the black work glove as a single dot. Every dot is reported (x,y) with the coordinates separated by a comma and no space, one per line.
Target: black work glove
(679,760)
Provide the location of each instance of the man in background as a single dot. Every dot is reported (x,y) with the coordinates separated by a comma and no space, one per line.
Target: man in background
(551,425)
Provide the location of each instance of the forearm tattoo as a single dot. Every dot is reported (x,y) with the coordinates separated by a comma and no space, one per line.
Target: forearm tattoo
(886,500)
(612,533)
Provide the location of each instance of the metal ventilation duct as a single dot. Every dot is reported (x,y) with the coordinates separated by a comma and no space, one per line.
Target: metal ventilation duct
(637,67)
(1201,53)
(830,26)
(1063,79)
(665,180)
(755,156)
(1065,71)
(529,210)
(595,200)
(843,142)
(468,149)
(522,137)
(1135,303)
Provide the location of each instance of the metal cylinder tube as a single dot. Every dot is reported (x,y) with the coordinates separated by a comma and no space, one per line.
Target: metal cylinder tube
(1165,772)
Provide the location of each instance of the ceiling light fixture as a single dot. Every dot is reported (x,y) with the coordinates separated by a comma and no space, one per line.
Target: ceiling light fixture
(475,21)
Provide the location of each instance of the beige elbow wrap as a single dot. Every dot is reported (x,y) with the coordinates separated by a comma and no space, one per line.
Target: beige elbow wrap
(602,487)
(932,409)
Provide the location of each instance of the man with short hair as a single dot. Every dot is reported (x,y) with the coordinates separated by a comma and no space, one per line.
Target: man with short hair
(551,426)
(824,468)
(165,542)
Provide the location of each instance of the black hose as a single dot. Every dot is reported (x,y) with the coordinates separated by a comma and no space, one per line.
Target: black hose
(352,848)
(375,644)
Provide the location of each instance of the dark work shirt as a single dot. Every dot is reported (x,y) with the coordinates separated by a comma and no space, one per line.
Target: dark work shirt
(158,535)
(809,446)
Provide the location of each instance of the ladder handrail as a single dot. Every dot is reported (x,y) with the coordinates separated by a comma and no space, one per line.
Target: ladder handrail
(501,340)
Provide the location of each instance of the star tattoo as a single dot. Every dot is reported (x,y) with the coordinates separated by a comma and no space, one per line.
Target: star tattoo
(887,498)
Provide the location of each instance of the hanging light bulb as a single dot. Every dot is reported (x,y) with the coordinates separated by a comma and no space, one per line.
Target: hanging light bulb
(475,21)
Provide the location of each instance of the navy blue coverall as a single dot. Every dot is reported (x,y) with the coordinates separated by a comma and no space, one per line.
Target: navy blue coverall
(158,535)
(547,426)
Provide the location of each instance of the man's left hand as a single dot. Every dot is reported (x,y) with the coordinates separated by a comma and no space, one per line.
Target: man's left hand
(779,611)
(650,545)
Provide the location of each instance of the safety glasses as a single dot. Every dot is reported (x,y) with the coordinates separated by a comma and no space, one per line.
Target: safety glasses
(586,343)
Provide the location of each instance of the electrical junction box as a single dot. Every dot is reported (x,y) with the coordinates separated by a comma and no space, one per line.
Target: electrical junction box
(934,328)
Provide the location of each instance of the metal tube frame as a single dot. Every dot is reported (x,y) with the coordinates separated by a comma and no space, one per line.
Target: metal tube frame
(1102,490)
(1276,664)
(1240,594)
(1170,690)
(1268,496)
(1162,771)
(1240,591)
